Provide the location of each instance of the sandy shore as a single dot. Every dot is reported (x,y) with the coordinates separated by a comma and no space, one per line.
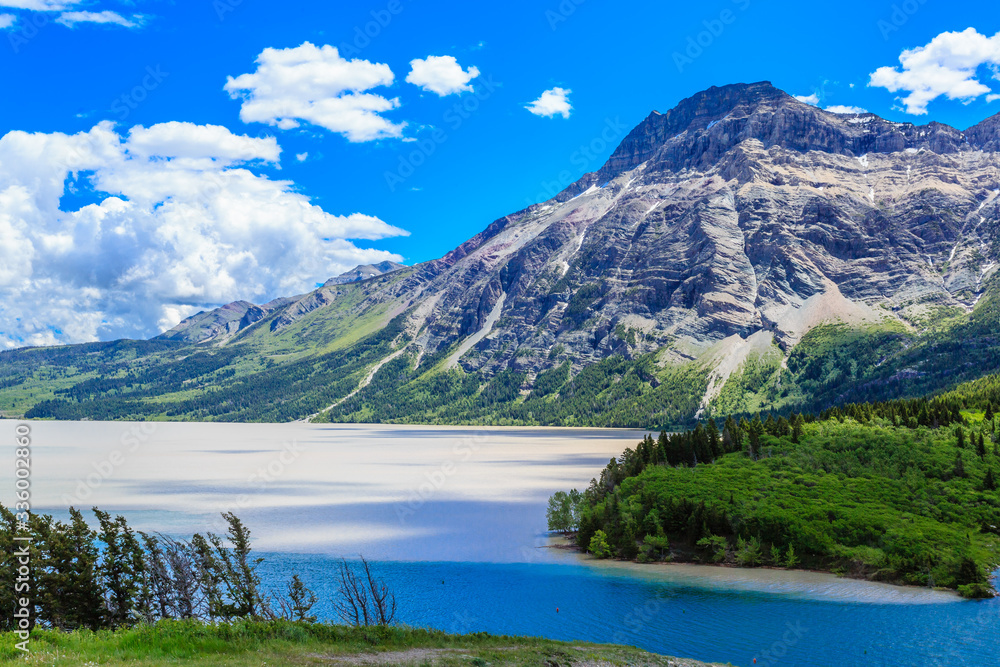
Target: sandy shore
(798,583)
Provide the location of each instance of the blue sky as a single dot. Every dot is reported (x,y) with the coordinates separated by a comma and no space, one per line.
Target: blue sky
(455,148)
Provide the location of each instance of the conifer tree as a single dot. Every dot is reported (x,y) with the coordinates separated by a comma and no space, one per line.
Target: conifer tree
(301,601)
(798,424)
(981,446)
(714,440)
(239,572)
(959,465)
(960,435)
(989,483)
(83,595)
(770,426)
(120,568)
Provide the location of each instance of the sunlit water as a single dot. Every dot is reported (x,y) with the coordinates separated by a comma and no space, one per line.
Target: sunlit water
(455,520)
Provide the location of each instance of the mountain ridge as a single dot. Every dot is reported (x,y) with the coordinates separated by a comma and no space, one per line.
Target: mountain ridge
(719,241)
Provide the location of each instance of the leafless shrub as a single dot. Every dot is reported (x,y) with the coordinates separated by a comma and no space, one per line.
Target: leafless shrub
(364,600)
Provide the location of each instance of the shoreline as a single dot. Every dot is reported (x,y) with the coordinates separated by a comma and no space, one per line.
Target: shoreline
(812,584)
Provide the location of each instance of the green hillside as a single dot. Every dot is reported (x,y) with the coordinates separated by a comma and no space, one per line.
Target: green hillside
(902,491)
(351,361)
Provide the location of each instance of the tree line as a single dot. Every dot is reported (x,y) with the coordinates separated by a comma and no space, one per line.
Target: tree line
(113,576)
(829,490)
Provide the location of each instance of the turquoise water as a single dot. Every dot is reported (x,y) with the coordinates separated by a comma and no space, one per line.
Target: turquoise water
(455,519)
(696,622)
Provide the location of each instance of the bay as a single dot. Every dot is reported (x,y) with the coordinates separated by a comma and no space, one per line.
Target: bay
(454,519)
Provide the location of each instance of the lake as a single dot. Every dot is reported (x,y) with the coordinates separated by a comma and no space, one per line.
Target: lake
(455,520)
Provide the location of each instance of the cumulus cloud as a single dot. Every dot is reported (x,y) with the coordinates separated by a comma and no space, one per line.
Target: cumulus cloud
(178,221)
(7,20)
(551,103)
(840,108)
(70,19)
(441,75)
(315,85)
(813,100)
(40,5)
(948,66)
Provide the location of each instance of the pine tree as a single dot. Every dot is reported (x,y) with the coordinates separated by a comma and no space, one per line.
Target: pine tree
(989,482)
(83,596)
(713,439)
(731,437)
(756,429)
(960,435)
(702,448)
(120,568)
(770,426)
(959,465)
(239,572)
(301,601)
(797,428)
(988,416)
(981,446)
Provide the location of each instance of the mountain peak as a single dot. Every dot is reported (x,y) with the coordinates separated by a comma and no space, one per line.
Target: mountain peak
(364,272)
(702,128)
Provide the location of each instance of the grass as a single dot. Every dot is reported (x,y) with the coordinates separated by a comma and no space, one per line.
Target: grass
(286,643)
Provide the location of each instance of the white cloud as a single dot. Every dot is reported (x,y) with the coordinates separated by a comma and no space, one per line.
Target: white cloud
(7,20)
(178,223)
(40,5)
(551,103)
(315,85)
(809,99)
(947,66)
(441,75)
(302,157)
(839,108)
(200,146)
(992,98)
(70,19)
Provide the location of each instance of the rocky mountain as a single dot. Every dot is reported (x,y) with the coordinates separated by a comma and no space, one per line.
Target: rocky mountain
(742,250)
(365,272)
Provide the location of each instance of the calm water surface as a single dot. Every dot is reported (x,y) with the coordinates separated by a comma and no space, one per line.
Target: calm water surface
(455,519)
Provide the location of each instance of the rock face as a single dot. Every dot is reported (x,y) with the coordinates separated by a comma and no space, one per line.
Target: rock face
(365,272)
(738,213)
(222,323)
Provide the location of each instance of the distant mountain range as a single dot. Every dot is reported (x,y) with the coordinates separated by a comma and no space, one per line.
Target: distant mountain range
(744,251)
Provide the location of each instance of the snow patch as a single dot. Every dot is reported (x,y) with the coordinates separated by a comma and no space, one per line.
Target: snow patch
(863,160)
